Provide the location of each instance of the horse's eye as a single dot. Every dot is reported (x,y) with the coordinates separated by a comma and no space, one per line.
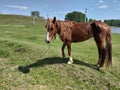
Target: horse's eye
(51,28)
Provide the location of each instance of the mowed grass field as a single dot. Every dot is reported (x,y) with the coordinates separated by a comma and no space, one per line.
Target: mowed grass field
(28,63)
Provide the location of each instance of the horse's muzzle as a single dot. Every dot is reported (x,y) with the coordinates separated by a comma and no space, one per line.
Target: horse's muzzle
(47,41)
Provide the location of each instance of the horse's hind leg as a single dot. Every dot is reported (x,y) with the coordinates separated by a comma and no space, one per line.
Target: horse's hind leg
(63,47)
(101,51)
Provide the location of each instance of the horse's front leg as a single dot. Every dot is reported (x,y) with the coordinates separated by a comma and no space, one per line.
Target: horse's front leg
(70,53)
(63,47)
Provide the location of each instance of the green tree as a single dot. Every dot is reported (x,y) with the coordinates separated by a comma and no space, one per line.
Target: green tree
(35,14)
(90,20)
(75,16)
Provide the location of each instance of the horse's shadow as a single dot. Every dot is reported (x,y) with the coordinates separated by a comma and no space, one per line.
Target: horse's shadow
(50,61)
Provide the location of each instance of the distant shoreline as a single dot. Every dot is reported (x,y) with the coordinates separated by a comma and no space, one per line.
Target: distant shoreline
(114,26)
(115,30)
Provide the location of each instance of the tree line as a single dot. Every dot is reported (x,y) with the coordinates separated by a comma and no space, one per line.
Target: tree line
(113,22)
(80,17)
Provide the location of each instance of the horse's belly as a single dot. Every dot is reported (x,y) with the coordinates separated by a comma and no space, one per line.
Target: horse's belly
(80,38)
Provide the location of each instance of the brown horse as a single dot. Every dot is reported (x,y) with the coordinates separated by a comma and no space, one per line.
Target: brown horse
(70,31)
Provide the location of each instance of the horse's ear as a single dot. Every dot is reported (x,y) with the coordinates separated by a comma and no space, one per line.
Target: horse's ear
(54,20)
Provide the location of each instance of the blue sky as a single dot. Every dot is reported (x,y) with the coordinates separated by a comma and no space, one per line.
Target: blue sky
(97,9)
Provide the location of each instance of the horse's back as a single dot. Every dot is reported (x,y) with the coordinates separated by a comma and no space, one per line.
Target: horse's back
(81,32)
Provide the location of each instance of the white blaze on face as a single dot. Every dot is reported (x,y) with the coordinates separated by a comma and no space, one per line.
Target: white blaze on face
(47,36)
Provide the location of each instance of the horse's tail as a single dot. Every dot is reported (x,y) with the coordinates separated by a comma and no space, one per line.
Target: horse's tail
(108,50)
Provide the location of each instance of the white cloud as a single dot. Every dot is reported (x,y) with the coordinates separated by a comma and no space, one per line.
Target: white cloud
(100,1)
(17,7)
(103,6)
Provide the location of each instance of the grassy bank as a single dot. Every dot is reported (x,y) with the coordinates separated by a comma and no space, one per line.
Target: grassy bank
(19,20)
(28,63)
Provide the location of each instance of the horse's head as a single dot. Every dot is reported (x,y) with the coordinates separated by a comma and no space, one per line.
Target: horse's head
(51,29)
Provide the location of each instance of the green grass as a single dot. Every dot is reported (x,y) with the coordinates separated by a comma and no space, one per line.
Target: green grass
(28,63)
(19,20)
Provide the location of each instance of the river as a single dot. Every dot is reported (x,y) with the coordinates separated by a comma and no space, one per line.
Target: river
(115,30)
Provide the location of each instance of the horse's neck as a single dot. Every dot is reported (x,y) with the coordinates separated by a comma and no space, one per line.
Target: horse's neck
(58,26)
(61,34)
(61,29)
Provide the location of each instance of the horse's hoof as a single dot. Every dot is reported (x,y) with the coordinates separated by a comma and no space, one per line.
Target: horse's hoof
(97,65)
(69,62)
(98,68)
